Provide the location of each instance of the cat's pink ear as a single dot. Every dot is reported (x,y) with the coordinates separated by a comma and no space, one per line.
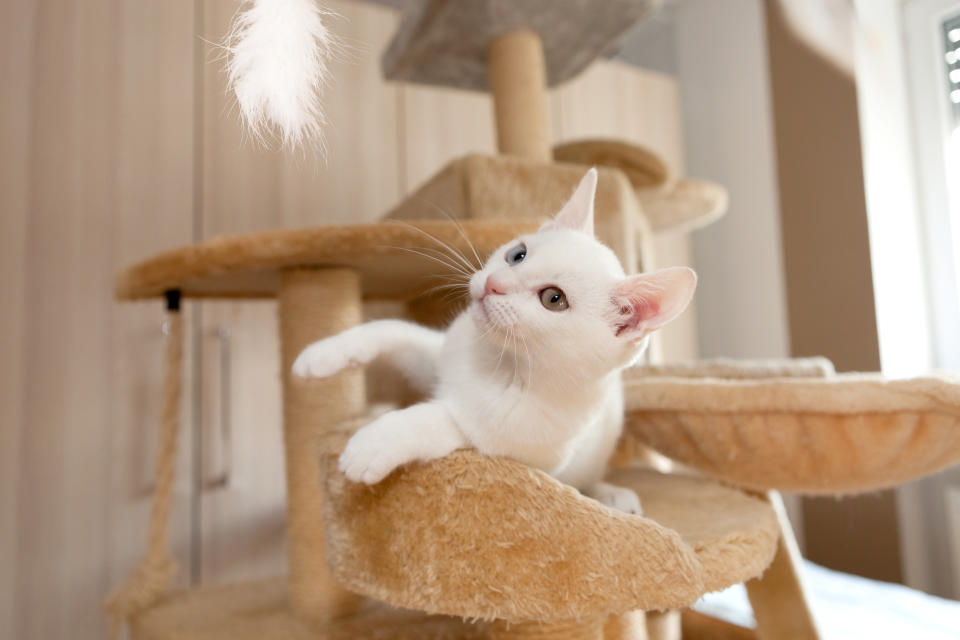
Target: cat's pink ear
(646,302)
(577,214)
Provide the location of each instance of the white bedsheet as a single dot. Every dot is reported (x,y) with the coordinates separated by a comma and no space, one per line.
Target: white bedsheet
(848,607)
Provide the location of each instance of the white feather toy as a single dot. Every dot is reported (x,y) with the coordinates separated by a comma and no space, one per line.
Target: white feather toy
(278,55)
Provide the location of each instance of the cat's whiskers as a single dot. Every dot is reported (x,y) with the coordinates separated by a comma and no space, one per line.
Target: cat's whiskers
(439,258)
(453,252)
(516,363)
(433,258)
(526,348)
(453,289)
(503,350)
(462,231)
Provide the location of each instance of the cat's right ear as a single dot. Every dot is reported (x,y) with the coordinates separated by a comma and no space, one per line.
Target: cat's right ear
(645,302)
(577,214)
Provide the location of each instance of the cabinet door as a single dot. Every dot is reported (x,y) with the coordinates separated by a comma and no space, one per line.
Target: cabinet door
(240,419)
(249,188)
(99,111)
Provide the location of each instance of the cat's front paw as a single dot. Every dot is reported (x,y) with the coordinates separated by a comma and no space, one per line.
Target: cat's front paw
(620,498)
(368,456)
(326,358)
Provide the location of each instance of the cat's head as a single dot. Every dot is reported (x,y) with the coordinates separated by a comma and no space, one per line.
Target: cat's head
(564,297)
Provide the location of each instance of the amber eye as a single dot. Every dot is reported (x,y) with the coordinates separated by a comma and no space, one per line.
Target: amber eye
(516,254)
(553,299)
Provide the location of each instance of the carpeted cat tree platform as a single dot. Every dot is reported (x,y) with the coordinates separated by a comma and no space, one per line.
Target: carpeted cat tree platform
(470,546)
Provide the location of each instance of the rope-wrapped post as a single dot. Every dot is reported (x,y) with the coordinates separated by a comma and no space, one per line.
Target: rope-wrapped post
(151,578)
(628,626)
(518,81)
(313,304)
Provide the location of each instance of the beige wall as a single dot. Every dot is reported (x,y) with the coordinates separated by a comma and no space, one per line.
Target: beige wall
(787,271)
(826,251)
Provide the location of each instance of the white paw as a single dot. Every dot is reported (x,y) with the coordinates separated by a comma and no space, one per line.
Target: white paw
(619,498)
(369,457)
(327,357)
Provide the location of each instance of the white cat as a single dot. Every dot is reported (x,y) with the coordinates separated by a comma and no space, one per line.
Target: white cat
(530,370)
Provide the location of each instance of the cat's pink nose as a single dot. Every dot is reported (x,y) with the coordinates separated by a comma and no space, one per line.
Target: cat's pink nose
(493,286)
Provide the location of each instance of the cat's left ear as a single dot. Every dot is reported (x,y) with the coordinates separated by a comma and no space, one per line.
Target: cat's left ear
(645,302)
(577,214)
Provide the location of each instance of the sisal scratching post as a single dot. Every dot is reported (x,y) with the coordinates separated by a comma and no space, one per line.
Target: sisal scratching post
(663,625)
(580,630)
(314,303)
(628,626)
(518,81)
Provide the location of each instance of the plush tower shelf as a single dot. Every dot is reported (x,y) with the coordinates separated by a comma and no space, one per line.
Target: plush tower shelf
(483,187)
(756,425)
(249,265)
(668,202)
(494,539)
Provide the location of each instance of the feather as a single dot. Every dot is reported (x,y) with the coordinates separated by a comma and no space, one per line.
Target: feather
(278,55)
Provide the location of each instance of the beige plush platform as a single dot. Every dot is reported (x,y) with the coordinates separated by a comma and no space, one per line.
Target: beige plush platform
(484,187)
(644,168)
(248,265)
(756,427)
(261,611)
(669,203)
(494,539)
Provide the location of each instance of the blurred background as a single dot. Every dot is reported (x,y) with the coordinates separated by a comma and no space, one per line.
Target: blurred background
(834,125)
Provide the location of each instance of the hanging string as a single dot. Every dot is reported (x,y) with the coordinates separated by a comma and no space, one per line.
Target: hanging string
(152,577)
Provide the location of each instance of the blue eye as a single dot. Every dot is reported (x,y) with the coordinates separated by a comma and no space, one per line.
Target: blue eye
(516,254)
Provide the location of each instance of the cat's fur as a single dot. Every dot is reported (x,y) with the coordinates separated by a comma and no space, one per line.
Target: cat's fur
(510,377)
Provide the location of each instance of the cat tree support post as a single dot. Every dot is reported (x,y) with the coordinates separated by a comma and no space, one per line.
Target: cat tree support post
(314,303)
(778,596)
(518,82)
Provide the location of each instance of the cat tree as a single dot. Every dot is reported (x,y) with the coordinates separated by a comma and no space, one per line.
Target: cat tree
(475,547)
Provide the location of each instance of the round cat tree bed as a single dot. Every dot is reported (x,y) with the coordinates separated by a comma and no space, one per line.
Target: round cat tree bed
(764,426)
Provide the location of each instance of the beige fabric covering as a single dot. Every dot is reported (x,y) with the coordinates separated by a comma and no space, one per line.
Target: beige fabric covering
(482,187)
(688,205)
(731,369)
(669,203)
(248,265)
(494,539)
(261,611)
(834,434)
(643,168)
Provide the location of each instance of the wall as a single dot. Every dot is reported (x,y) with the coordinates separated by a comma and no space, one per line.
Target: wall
(717,52)
(828,270)
(788,270)
(728,118)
